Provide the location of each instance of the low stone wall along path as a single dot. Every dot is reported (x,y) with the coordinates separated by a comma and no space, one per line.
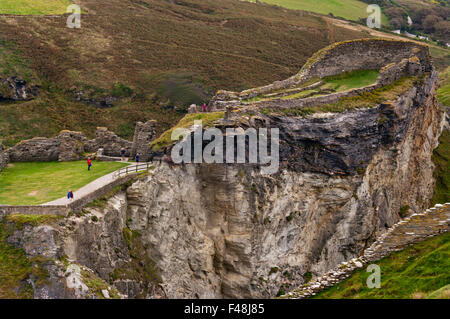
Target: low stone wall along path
(411,230)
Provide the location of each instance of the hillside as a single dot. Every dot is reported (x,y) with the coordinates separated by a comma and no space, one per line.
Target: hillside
(418,272)
(135,61)
(148,59)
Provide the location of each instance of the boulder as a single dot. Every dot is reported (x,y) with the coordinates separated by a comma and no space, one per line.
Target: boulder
(4,158)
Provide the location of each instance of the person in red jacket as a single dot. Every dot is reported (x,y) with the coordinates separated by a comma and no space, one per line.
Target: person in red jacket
(89,162)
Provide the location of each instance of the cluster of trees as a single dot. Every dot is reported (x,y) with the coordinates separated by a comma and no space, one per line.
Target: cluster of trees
(432,20)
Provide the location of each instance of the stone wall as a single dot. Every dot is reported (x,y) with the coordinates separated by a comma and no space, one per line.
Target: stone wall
(411,230)
(364,54)
(4,158)
(109,141)
(337,58)
(68,146)
(388,74)
(61,210)
(38,149)
(144,133)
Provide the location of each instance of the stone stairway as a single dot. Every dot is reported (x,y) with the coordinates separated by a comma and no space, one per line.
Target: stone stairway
(411,230)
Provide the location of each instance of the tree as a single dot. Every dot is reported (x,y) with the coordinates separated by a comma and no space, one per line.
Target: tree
(429,22)
(418,15)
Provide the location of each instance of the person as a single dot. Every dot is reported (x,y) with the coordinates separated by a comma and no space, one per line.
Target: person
(204,107)
(122,153)
(70,195)
(137,158)
(89,162)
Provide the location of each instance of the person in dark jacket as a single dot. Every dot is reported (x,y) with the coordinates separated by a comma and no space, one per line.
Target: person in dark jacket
(70,195)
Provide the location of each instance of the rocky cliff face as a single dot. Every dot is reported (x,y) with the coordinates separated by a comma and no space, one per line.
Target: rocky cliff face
(216,230)
(211,231)
(15,89)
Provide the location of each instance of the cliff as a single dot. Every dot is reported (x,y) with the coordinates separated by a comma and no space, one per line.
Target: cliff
(227,230)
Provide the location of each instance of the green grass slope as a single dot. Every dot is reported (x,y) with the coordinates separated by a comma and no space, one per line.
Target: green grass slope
(33,7)
(38,183)
(419,271)
(348,9)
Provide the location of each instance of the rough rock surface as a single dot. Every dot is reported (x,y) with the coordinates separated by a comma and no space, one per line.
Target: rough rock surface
(15,89)
(411,230)
(71,147)
(4,158)
(38,149)
(109,141)
(216,230)
(64,280)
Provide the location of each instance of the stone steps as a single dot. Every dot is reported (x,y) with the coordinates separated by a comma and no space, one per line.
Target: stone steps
(412,229)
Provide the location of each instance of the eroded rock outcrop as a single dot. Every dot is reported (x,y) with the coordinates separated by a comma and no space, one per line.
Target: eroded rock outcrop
(15,89)
(229,231)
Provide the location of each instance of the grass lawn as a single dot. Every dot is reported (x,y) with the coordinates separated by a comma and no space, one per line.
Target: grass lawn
(342,82)
(38,183)
(348,9)
(351,80)
(33,7)
(419,271)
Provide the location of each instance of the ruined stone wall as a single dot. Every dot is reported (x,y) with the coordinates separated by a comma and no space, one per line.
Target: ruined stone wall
(4,158)
(144,133)
(71,147)
(38,149)
(217,231)
(68,146)
(109,142)
(364,54)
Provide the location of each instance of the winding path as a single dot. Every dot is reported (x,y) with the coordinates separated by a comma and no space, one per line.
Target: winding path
(90,188)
